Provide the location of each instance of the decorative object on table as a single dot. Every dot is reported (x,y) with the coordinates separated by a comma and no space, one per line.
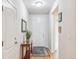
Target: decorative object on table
(24,39)
(28,35)
(60,29)
(60,17)
(23,25)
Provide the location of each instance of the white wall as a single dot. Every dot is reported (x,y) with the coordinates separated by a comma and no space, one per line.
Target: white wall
(22,13)
(39,24)
(67,39)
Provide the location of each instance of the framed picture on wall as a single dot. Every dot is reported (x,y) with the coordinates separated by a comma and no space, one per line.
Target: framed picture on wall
(60,17)
(23,25)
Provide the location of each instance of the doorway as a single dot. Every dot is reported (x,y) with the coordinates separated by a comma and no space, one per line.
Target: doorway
(55,32)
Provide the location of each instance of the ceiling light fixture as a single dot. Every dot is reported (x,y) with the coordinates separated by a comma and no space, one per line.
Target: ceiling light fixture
(39,3)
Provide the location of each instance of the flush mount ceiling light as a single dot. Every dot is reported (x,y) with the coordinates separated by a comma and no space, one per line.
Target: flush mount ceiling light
(39,3)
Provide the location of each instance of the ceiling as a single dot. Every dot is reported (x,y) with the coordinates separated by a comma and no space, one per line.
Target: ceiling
(34,9)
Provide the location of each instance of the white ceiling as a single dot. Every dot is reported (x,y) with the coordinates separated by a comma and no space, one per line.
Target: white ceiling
(34,9)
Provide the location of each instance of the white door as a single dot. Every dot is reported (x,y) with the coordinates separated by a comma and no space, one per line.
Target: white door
(9,33)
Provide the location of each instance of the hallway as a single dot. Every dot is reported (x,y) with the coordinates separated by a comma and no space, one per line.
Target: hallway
(38,29)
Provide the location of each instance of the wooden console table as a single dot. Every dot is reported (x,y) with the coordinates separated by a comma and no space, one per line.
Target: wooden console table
(25,51)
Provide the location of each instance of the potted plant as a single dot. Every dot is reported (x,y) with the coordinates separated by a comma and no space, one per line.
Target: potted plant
(28,35)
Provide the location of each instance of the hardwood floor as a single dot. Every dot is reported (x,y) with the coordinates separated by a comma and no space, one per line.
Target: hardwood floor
(50,56)
(45,57)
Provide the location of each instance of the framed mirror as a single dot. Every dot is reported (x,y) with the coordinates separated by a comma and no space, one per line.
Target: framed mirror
(60,17)
(23,25)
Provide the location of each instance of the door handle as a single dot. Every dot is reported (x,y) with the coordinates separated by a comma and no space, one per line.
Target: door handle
(15,42)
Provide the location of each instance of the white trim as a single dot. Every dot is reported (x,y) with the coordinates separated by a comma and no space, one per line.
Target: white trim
(8,5)
(11,3)
(54,6)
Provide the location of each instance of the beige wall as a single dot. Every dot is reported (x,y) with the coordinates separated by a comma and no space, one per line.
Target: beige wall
(68,37)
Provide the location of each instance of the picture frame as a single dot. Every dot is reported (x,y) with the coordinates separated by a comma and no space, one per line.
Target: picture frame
(60,17)
(23,25)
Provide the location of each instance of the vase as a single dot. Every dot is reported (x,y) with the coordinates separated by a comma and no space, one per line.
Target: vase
(27,41)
